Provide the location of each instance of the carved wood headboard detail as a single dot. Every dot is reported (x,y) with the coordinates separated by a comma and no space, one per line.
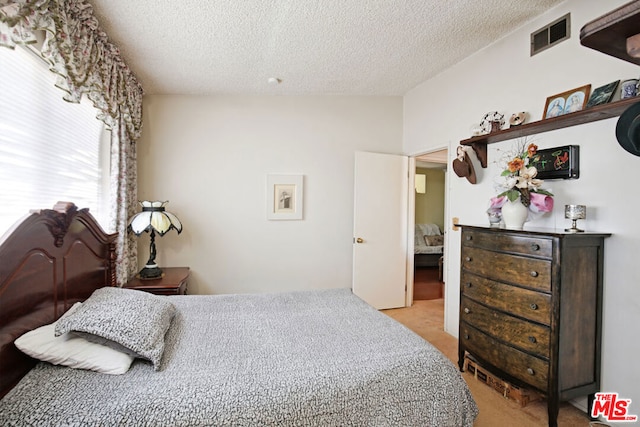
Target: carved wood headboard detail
(51,260)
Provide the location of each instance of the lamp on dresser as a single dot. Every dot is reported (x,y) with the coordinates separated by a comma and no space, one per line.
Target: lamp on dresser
(574,213)
(153,219)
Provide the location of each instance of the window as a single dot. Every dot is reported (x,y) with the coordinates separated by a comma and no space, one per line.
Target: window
(50,149)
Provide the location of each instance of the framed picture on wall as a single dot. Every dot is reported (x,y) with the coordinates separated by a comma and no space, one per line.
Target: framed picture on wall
(284,197)
(567,102)
(558,162)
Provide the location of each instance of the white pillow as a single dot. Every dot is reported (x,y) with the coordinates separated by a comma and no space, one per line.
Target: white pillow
(72,351)
(429,229)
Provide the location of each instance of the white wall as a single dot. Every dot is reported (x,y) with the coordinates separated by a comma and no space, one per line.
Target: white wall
(430,205)
(209,156)
(504,77)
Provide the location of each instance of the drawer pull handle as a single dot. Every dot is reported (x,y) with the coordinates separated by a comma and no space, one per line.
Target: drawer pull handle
(533,340)
(535,247)
(466,336)
(468,284)
(468,259)
(533,306)
(466,310)
(469,238)
(534,274)
(530,371)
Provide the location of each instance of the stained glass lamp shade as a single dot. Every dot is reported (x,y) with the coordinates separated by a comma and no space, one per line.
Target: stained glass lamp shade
(153,219)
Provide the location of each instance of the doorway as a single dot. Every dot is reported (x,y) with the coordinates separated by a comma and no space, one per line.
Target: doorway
(429,234)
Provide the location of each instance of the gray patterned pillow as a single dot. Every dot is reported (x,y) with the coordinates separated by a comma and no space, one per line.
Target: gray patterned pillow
(434,240)
(135,320)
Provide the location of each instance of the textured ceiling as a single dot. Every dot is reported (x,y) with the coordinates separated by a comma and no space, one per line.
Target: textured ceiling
(314,47)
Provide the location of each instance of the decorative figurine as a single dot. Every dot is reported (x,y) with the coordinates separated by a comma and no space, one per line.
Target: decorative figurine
(492,122)
(517,119)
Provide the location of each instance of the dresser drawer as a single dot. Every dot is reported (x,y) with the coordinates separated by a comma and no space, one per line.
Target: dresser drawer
(527,336)
(523,245)
(518,364)
(525,303)
(530,272)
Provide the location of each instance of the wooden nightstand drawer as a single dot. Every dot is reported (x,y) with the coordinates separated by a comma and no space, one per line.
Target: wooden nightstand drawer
(525,303)
(520,365)
(173,282)
(533,246)
(529,272)
(527,336)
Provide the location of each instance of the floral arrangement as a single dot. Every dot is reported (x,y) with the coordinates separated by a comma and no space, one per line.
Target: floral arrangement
(520,181)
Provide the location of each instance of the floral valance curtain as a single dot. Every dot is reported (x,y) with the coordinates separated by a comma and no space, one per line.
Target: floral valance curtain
(86,63)
(80,53)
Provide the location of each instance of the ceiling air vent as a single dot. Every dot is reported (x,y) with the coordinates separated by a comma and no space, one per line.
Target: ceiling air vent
(551,34)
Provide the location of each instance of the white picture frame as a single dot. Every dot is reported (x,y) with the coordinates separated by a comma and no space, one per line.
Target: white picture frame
(284,197)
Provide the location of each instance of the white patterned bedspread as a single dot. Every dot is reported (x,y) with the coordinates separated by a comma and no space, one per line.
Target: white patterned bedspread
(424,249)
(316,358)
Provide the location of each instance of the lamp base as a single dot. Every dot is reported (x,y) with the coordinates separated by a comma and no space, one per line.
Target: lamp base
(573,230)
(574,227)
(150,273)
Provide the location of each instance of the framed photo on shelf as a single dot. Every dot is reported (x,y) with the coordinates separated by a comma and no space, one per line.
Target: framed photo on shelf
(284,197)
(602,94)
(567,102)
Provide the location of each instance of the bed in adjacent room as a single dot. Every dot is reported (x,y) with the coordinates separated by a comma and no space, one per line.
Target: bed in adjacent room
(299,358)
(428,245)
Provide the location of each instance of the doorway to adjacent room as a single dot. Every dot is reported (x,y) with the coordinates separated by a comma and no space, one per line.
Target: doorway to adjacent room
(429,261)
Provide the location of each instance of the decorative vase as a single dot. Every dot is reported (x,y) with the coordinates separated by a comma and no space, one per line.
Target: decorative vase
(514,214)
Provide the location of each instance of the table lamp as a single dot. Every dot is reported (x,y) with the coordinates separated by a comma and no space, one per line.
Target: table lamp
(153,219)
(574,213)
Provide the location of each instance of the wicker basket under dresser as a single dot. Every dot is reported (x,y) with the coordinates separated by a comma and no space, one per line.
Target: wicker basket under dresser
(530,309)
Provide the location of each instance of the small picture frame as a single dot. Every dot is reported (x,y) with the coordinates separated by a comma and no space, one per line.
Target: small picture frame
(602,94)
(567,102)
(284,197)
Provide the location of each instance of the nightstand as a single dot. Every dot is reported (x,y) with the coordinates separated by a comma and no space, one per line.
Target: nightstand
(172,282)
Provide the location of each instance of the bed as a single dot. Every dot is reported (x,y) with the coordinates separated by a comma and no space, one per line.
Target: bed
(428,245)
(299,358)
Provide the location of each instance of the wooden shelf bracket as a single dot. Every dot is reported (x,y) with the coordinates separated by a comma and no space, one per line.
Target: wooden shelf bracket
(481,152)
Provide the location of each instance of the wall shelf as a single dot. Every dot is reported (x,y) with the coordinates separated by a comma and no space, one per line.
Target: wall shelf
(592,114)
(615,33)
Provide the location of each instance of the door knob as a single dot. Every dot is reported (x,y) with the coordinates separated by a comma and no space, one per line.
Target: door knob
(359,240)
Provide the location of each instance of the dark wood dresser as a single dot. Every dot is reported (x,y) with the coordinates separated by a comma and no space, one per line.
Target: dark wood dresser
(530,309)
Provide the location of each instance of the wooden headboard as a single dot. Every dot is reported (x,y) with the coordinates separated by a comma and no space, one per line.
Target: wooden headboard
(51,260)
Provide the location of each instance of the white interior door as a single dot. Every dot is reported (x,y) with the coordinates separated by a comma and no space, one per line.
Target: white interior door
(380,229)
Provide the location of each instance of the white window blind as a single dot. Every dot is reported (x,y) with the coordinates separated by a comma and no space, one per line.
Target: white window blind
(50,150)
